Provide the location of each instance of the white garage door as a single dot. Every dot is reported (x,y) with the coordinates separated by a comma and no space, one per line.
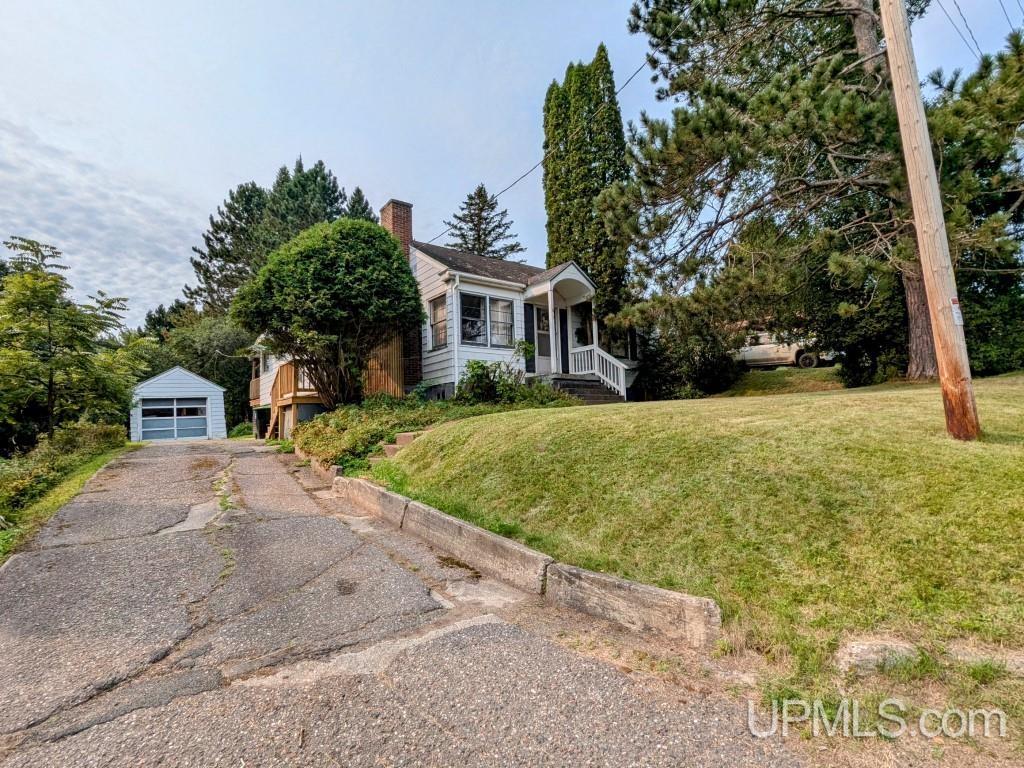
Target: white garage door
(169,418)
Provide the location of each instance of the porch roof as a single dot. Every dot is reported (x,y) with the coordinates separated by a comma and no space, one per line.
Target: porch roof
(576,284)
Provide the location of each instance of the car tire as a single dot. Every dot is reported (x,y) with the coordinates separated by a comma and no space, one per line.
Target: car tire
(806,360)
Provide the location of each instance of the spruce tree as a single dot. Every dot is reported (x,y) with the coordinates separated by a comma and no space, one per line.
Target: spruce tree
(585,152)
(481,228)
(300,199)
(359,207)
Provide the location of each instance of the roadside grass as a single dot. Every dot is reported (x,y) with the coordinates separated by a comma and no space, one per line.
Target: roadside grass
(32,517)
(785,381)
(810,518)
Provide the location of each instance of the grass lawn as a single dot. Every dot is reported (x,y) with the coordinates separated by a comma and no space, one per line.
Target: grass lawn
(31,518)
(810,518)
(785,381)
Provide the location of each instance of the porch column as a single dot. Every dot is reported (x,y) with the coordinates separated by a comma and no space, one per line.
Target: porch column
(593,322)
(556,346)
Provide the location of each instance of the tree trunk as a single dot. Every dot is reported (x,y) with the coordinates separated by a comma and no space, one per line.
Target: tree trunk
(922,365)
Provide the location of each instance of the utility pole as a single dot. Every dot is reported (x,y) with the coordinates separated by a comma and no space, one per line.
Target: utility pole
(939,279)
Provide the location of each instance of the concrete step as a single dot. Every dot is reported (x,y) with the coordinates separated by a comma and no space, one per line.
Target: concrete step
(391,450)
(404,438)
(375,460)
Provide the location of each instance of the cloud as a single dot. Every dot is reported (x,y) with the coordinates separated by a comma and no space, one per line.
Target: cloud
(116,235)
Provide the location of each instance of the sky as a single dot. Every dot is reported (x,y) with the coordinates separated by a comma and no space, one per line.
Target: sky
(124,124)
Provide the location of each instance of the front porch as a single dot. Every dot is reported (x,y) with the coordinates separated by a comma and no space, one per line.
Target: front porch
(561,324)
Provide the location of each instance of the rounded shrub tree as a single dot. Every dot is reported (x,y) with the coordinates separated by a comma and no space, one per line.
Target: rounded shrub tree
(327,298)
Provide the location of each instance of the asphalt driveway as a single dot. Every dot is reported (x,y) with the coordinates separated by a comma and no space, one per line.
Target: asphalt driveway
(197,605)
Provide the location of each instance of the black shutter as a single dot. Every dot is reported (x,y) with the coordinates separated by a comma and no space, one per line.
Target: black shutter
(563,337)
(531,361)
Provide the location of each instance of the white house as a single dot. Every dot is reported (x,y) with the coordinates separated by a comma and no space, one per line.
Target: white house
(477,308)
(177,405)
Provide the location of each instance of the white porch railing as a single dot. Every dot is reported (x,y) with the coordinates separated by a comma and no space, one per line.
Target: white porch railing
(593,359)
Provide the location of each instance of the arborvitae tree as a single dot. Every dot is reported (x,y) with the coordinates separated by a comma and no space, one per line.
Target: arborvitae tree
(585,151)
(481,228)
(359,207)
(234,247)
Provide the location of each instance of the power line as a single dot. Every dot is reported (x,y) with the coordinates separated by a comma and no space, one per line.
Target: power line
(572,135)
(956,4)
(956,28)
(1009,19)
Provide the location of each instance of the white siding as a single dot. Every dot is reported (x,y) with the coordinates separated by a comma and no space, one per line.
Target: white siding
(267,379)
(489,354)
(437,364)
(178,382)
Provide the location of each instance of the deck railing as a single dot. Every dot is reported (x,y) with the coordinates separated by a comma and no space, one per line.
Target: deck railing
(254,389)
(594,360)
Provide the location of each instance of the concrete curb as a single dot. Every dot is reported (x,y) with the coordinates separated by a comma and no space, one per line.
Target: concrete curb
(325,472)
(696,621)
(508,560)
(372,499)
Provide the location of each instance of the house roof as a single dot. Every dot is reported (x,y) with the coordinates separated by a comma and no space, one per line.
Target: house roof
(496,269)
(175,369)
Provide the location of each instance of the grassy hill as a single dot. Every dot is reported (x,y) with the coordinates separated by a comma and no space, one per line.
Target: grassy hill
(808,517)
(785,381)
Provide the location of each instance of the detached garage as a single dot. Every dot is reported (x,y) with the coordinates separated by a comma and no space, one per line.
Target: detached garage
(178,405)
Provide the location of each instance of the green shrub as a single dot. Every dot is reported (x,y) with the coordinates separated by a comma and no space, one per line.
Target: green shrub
(25,478)
(241,430)
(350,434)
(505,382)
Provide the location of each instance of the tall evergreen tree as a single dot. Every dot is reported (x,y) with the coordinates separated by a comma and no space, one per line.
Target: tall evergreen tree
(585,152)
(233,248)
(481,228)
(785,112)
(359,207)
(300,199)
(254,221)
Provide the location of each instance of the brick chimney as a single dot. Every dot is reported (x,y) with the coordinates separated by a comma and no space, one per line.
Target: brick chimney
(396,218)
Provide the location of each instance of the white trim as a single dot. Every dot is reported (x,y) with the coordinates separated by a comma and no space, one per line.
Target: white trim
(183,370)
(481,280)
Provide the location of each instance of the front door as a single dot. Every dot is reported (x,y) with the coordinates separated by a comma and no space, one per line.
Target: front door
(542,335)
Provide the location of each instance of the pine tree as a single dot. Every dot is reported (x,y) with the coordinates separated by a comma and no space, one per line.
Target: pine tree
(481,228)
(585,152)
(784,111)
(359,207)
(254,221)
(234,247)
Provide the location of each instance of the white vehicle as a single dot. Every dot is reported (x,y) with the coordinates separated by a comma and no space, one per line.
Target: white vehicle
(766,352)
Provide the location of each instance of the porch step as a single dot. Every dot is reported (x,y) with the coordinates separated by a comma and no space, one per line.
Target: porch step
(588,389)
(404,438)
